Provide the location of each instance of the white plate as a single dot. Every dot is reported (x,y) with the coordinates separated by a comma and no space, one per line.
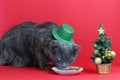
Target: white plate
(67,72)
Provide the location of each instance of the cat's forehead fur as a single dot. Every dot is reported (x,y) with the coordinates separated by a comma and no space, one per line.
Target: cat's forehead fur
(65,48)
(65,45)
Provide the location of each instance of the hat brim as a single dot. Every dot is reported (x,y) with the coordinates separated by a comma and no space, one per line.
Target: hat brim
(56,36)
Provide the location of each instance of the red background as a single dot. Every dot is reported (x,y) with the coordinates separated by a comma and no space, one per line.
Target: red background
(84,16)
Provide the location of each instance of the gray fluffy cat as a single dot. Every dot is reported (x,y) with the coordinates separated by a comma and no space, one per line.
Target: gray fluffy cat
(32,44)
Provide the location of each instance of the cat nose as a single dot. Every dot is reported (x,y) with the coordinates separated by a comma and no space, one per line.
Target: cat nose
(64,65)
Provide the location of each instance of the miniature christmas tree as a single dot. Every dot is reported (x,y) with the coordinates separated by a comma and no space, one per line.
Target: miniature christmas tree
(102,53)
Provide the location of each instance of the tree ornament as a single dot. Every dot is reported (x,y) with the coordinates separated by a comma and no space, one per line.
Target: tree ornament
(96,51)
(101,30)
(113,53)
(98,60)
(103,57)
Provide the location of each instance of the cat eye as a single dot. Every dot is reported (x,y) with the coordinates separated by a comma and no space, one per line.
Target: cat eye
(59,59)
(54,47)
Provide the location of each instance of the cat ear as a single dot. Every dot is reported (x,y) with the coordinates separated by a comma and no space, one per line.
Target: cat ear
(76,47)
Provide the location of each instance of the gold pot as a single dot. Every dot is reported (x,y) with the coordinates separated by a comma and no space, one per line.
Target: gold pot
(103,68)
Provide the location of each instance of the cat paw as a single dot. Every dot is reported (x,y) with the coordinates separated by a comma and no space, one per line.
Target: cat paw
(45,66)
(2,60)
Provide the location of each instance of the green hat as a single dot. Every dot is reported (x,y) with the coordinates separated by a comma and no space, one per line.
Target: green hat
(63,33)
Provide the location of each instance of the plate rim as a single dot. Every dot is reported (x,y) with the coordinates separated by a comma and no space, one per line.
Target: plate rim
(63,72)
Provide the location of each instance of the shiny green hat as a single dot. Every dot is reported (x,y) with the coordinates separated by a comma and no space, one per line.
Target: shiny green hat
(64,33)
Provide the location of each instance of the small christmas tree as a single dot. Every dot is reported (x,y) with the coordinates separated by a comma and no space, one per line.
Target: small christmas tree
(102,53)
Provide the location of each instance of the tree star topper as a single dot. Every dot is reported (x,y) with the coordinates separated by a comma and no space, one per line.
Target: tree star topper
(101,30)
